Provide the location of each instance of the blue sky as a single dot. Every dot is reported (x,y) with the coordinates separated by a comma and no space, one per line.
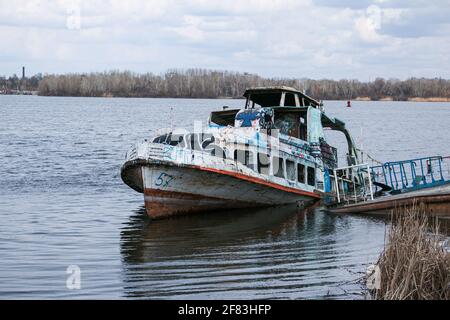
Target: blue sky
(355,39)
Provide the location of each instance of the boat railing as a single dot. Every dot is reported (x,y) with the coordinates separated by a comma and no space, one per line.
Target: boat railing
(412,174)
(352,184)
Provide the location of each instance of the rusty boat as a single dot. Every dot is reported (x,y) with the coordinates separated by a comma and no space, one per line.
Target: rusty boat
(270,152)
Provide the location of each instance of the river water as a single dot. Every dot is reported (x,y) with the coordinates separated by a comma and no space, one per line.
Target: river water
(62,203)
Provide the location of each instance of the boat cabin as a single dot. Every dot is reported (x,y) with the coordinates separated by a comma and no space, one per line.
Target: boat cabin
(282,108)
(293,113)
(277,97)
(300,120)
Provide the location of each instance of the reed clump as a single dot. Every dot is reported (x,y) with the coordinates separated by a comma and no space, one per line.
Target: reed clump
(415,265)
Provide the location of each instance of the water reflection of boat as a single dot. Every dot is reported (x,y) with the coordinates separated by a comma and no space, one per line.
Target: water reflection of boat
(259,253)
(142,240)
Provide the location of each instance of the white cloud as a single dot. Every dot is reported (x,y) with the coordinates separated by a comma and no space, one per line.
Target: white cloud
(351,39)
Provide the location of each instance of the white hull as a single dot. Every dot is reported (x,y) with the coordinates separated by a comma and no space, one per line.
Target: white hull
(177,180)
(171,190)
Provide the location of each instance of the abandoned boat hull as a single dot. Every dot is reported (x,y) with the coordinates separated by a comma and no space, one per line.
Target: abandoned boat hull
(272,152)
(174,190)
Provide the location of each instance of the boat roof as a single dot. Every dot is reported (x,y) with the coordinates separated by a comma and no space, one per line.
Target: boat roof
(261,91)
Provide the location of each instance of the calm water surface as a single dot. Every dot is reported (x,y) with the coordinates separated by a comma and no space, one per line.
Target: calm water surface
(62,203)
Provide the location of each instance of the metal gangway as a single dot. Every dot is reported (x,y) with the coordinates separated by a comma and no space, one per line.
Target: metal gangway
(413,174)
(362,182)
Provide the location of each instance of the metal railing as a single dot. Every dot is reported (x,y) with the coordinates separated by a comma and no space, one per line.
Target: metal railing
(352,183)
(413,174)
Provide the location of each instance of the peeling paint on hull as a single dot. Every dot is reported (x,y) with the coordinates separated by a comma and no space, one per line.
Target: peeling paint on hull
(161,204)
(173,190)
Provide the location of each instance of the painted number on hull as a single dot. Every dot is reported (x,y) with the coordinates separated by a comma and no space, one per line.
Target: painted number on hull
(163,180)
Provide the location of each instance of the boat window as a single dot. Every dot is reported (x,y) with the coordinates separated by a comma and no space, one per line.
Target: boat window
(277,167)
(171,139)
(301,173)
(290,170)
(245,157)
(311,176)
(218,152)
(269,97)
(302,128)
(291,121)
(264,99)
(177,140)
(223,118)
(164,139)
(289,100)
(263,163)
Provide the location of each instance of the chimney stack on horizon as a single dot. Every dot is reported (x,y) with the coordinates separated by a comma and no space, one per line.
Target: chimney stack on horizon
(23,72)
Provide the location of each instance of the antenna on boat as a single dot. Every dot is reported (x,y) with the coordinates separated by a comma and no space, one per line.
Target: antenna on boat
(171,118)
(361,144)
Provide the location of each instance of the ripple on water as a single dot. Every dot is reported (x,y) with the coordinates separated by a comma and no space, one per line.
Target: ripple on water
(62,203)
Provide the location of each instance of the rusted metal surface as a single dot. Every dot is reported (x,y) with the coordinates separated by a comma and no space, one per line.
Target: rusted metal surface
(131,174)
(161,204)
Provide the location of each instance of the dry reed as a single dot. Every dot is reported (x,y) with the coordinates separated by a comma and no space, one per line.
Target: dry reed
(415,264)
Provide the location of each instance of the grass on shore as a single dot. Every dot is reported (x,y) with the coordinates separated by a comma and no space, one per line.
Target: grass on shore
(414,264)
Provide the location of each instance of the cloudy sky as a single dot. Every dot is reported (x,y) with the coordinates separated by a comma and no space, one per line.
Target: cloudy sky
(355,39)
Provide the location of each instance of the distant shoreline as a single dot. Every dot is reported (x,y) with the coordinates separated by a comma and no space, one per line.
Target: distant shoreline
(411,99)
(214,84)
(389,99)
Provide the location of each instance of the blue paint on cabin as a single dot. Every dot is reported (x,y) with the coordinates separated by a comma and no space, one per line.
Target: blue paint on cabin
(247,116)
(326,181)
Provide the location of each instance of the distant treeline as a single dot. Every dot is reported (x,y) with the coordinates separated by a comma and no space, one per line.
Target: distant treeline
(200,83)
(16,83)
